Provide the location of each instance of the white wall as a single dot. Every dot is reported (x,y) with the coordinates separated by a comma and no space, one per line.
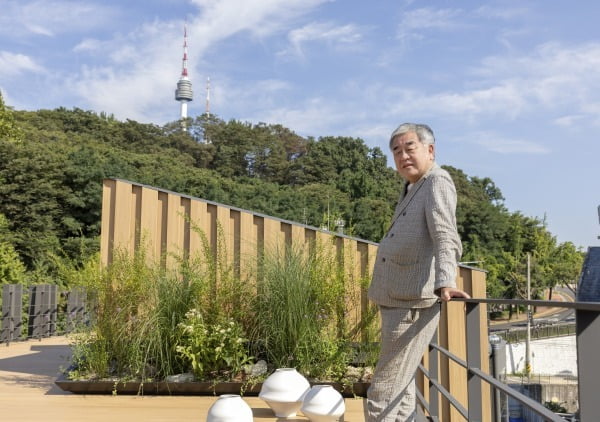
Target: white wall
(550,356)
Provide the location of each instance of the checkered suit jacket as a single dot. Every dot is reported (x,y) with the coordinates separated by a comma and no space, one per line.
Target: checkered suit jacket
(420,252)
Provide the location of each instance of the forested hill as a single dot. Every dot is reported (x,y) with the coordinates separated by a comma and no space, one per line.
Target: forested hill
(52,163)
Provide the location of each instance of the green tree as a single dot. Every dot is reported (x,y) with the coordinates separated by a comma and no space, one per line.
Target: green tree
(12,269)
(9,131)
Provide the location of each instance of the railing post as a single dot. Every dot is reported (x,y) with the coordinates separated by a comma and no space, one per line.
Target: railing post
(12,295)
(33,325)
(473,337)
(588,338)
(588,345)
(42,310)
(434,400)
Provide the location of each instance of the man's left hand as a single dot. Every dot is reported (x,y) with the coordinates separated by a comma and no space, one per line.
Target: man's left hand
(447,293)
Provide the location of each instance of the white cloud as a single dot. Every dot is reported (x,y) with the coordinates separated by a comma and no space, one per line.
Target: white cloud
(552,77)
(313,117)
(52,17)
(88,44)
(414,22)
(144,64)
(503,145)
(222,18)
(12,64)
(551,80)
(344,36)
(568,120)
(507,13)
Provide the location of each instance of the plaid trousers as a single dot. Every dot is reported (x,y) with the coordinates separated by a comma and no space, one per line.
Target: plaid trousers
(405,334)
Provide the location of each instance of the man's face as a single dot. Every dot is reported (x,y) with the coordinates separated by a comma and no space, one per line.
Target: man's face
(413,159)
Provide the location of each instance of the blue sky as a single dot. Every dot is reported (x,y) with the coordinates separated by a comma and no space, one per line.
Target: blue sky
(511,88)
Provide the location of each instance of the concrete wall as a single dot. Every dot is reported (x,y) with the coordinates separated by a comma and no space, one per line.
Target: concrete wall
(551,356)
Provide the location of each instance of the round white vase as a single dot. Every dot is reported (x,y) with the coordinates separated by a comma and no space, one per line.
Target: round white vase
(229,408)
(284,391)
(323,403)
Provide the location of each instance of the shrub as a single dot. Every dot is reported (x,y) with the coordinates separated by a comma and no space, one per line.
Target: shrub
(218,349)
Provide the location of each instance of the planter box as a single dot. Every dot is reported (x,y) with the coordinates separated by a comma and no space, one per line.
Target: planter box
(186,388)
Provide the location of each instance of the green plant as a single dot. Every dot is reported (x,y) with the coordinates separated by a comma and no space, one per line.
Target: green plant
(216,349)
(136,307)
(226,294)
(298,312)
(555,406)
(90,357)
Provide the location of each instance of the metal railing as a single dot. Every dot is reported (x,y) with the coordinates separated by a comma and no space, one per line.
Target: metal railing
(515,335)
(588,335)
(50,312)
(39,311)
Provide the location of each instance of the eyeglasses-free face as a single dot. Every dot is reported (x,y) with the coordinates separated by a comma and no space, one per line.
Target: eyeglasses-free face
(412,157)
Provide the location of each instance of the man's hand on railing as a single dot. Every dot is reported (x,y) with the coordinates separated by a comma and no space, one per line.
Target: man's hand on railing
(447,293)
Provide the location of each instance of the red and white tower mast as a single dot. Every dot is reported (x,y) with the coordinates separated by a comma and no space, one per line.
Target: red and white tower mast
(184,93)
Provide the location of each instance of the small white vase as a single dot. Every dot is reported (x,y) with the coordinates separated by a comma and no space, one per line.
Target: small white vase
(284,391)
(323,403)
(229,408)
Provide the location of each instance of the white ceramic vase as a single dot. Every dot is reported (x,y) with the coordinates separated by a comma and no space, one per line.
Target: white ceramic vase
(229,408)
(284,391)
(323,403)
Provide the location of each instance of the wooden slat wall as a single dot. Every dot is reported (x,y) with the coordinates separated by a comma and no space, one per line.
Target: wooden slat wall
(168,224)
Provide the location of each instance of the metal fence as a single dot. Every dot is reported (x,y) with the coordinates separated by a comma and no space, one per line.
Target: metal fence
(588,380)
(537,332)
(42,310)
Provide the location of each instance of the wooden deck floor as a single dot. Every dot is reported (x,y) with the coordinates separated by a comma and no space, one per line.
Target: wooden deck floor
(28,393)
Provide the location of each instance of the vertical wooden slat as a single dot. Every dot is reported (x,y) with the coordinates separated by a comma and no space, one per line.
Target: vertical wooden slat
(273,236)
(248,242)
(259,224)
(186,209)
(298,239)
(150,238)
(136,216)
(107,222)
(200,225)
(236,221)
(225,229)
(123,226)
(457,375)
(162,215)
(352,287)
(477,290)
(174,222)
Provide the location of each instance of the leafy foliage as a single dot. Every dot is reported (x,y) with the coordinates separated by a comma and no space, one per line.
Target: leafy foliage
(213,350)
(52,163)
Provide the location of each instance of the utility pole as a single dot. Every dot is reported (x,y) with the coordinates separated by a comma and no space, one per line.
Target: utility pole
(528,341)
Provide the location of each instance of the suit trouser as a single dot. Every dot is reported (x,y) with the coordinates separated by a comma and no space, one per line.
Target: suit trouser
(405,334)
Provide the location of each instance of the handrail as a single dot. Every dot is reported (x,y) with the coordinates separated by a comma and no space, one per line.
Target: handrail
(581,306)
(474,372)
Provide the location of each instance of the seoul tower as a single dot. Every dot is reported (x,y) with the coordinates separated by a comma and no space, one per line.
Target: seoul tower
(184,93)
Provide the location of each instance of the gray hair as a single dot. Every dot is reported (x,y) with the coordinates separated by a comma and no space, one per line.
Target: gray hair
(424,132)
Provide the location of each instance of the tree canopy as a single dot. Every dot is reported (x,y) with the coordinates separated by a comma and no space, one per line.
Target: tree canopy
(52,163)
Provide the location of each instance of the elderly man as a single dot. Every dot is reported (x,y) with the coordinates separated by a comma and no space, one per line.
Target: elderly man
(415,267)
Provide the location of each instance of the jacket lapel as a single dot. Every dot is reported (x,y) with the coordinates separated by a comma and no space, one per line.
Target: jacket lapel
(407,197)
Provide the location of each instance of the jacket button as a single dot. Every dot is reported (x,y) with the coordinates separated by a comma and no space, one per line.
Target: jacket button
(391,234)
(382,259)
(404,213)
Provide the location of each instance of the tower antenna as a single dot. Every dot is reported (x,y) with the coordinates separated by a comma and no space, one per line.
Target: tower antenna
(184,93)
(208,97)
